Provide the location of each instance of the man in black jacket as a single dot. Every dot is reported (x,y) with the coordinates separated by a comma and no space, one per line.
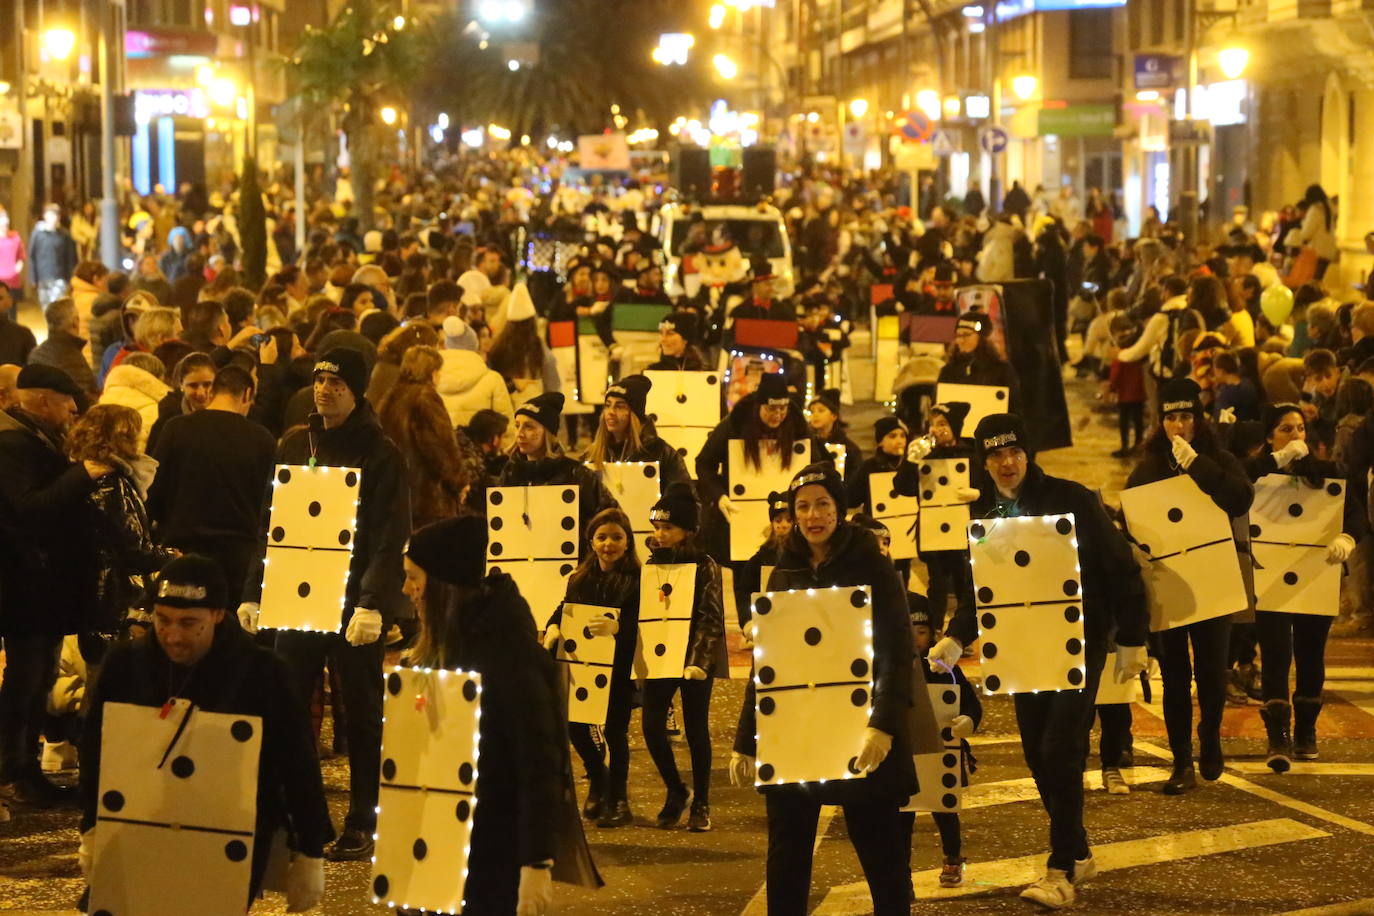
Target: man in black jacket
(345,433)
(1054,725)
(220,670)
(47,567)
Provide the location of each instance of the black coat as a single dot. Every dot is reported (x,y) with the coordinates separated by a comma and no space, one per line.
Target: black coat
(706,641)
(854,559)
(1112,587)
(47,563)
(617,589)
(237,676)
(691,360)
(125,553)
(749,578)
(67,352)
(1314,471)
(983,369)
(376,573)
(856,483)
(561,471)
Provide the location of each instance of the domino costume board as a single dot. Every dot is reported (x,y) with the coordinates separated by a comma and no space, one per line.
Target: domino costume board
(588,660)
(897,512)
(940,773)
(749,489)
(667,592)
(1291,526)
(533,536)
(635,486)
(943,516)
(685,407)
(983,400)
(310,535)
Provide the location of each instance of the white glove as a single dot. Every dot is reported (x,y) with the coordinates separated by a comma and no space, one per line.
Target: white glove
(598,307)
(1184,453)
(1291,452)
(1339,550)
(967,494)
(919,448)
(364,627)
(1131,661)
(304,883)
(249,612)
(945,654)
(551,637)
(536,891)
(873,749)
(746,638)
(84,853)
(961,726)
(693,673)
(1226,415)
(741,770)
(603,626)
(727,508)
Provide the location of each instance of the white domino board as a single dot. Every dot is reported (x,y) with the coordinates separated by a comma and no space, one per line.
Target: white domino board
(667,592)
(1193,572)
(310,535)
(176,812)
(940,774)
(749,489)
(1291,525)
(684,407)
(898,512)
(593,369)
(943,522)
(983,401)
(749,528)
(589,660)
(1029,600)
(813,682)
(635,486)
(532,534)
(428,796)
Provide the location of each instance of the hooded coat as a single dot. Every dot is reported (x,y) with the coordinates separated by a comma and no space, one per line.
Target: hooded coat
(126,556)
(466,386)
(130,386)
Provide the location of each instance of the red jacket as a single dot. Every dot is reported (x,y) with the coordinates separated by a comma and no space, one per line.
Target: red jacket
(1128,381)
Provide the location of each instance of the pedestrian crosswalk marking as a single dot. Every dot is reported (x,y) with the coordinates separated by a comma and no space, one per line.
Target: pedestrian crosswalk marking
(1011,791)
(1302,768)
(986,877)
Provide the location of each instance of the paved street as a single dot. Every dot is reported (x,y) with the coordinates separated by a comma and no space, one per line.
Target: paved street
(1253,844)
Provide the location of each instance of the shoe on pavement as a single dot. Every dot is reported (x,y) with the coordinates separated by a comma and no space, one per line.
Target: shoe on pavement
(1053,891)
(1235,694)
(1183,780)
(1279,755)
(352,846)
(1210,760)
(37,791)
(673,806)
(1113,782)
(58,756)
(591,807)
(1126,761)
(699,821)
(952,873)
(615,814)
(1084,870)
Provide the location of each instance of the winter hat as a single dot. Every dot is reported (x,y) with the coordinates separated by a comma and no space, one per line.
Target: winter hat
(677,506)
(1180,394)
(824,474)
(976,322)
(453,550)
(917,609)
(683,322)
(348,365)
(37,375)
(872,524)
(633,390)
(519,307)
(1000,430)
(955,413)
(544,409)
(777,505)
(1273,413)
(456,334)
(761,269)
(945,272)
(192,580)
(886,425)
(773,390)
(830,397)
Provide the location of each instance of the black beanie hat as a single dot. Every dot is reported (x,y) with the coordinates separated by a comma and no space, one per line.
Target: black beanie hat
(772,389)
(684,322)
(878,528)
(977,322)
(918,609)
(453,550)
(830,397)
(955,413)
(885,425)
(677,506)
(543,409)
(633,390)
(1273,413)
(1179,394)
(1000,430)
(191,581)
(824,474)
(349,365)
(777,505)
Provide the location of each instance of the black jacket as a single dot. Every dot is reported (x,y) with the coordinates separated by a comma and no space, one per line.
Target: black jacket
(691,360)
(124,548)
(1216,471)
(749,578)
(671,467)
(854,559)
(706,642)
(16,342)
(713,461)
(857,483)
(1113,590)
(560,470)
(47,563)
(52,254)
(376,573)
(237,676)
(67,352)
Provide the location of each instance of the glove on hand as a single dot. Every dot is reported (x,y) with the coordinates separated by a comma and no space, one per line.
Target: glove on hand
(364,627)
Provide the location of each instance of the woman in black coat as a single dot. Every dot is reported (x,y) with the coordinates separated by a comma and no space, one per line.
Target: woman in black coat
(975,361)
(1297,640)
(625,433)
(1185,443)
(824,551)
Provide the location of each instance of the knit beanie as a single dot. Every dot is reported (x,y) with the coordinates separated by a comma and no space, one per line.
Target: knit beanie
(886,425)
(453,550)
(1000,430)
(544,409)
(1180,394)
(773,389)
(348,365)
(677,506)
(684,322)
(633,390)
(830,397)
(955,413)
(192,581)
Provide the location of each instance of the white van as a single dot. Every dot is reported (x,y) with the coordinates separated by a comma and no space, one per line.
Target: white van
(757,230)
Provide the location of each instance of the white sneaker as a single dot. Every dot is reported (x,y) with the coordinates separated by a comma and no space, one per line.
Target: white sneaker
(1053,891)
(1084,870)
(1114,782)
(59,756)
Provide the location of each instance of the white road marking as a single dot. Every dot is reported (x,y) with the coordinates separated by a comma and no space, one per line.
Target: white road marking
(758,904)
(1302,768)
(986,877)
(1350,908)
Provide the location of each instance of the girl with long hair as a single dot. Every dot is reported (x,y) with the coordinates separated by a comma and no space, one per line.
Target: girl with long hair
(626,433)
(413,416)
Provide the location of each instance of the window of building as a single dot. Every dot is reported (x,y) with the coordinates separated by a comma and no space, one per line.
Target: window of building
(1156,18)
(1090,44)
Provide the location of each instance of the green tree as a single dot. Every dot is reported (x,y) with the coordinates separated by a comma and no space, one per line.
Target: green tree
(359,63)
(252,220)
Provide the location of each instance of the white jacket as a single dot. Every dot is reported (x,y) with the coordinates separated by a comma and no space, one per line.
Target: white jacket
(138,388)
(466,386)
(1315,234)
(997,260)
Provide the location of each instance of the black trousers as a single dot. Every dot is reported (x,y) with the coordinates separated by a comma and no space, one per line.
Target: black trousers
(1208,666)
(946,822)
(947,569)
(696,704)
(1055,727)
(30,670)
(1286,639)
(359,670)
(1131,417)
(616,733)
(1115,740)
(1244,638)
(876,832)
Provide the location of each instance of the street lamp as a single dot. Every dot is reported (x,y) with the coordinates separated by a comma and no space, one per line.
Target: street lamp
(858,107)
(1233,62)
(1024,86)
(928,100)
(725,66)
(222,91)
(388,115)
(673,48)
(502,11)
(716,18)
(59,43)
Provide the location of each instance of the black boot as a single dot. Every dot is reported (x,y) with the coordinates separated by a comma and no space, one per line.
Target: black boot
(1184,778)
(1275,714)
(1210,760)
(615,810)
(591,808)
(1305,712)
(673,806)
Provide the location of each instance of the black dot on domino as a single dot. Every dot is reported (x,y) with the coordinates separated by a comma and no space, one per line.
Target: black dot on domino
(582,694)
(284,475)
(568,522)
(1290,578)
(766,772)
(495,497)
(960,467)
(587,633)
(989,650)
(1073,645)
(344,537)
(303,589)
(393,683)
(993,683)
(976,530)
(853,765)
(762,605)
(113,801)
(351,479)
(767,705)
(985,595)
(944,527)
(380,885)
(1001,395)
(1295,510)
(497,523)
(880,507)
(667,589)
(1063,526)
(569,495)
(569,646)
(1334,489)
(949,780)
(1175,515)
(859,697)
(799,448)
(278,533)
(949,800)
(569,547)
(650,471)
(682,399)
(944,481)
(1022,558)
(241,730)
(465,773)
(927,495)
(1075,676)
(1071,614)
(565,570)
(1070,587)
(314,509)
(495,548)
(388,769)
(710,380)
(660,650)
(946,734)
(950,760)
(601,681)
(419,850)
(183,767)
(739,489)
(949,697)
(1254,531)
(989,620)
(858,597)
(812,636)
(859,667)
(462,810)
(766,675)
(236,850)
(470,691)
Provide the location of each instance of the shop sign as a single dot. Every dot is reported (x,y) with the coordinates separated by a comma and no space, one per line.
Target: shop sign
(1077,121)
(1157,71)
(176,103)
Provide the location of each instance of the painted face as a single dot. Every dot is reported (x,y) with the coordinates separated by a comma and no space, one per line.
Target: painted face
(1180,423)
(416,582)
(185,634)
(530,437)
(333,398)
(616,416)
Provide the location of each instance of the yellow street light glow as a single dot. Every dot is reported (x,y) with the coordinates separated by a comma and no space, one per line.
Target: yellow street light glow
(398,23)
(499,132)
(928,100)
(205,75)
(59,43)
(952,106)
(1024,86)
(222,91)
(858,107)
(716,18)
(725,66)
(813,116)
(1233,62)
(388,115)
(1147,95)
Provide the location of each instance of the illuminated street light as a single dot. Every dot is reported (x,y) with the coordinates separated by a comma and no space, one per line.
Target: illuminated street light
(1233,62)
(442,120)
(812,117)
(205,75)
(513,65)
(499,132)
(388,115)
(222,91)
(725,66)
(1024,86)
(673,48)
(59,43)
(952,106)
(502,11)
(716,18)
(858,107)
(398,23)
(240,16)
(928,101)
